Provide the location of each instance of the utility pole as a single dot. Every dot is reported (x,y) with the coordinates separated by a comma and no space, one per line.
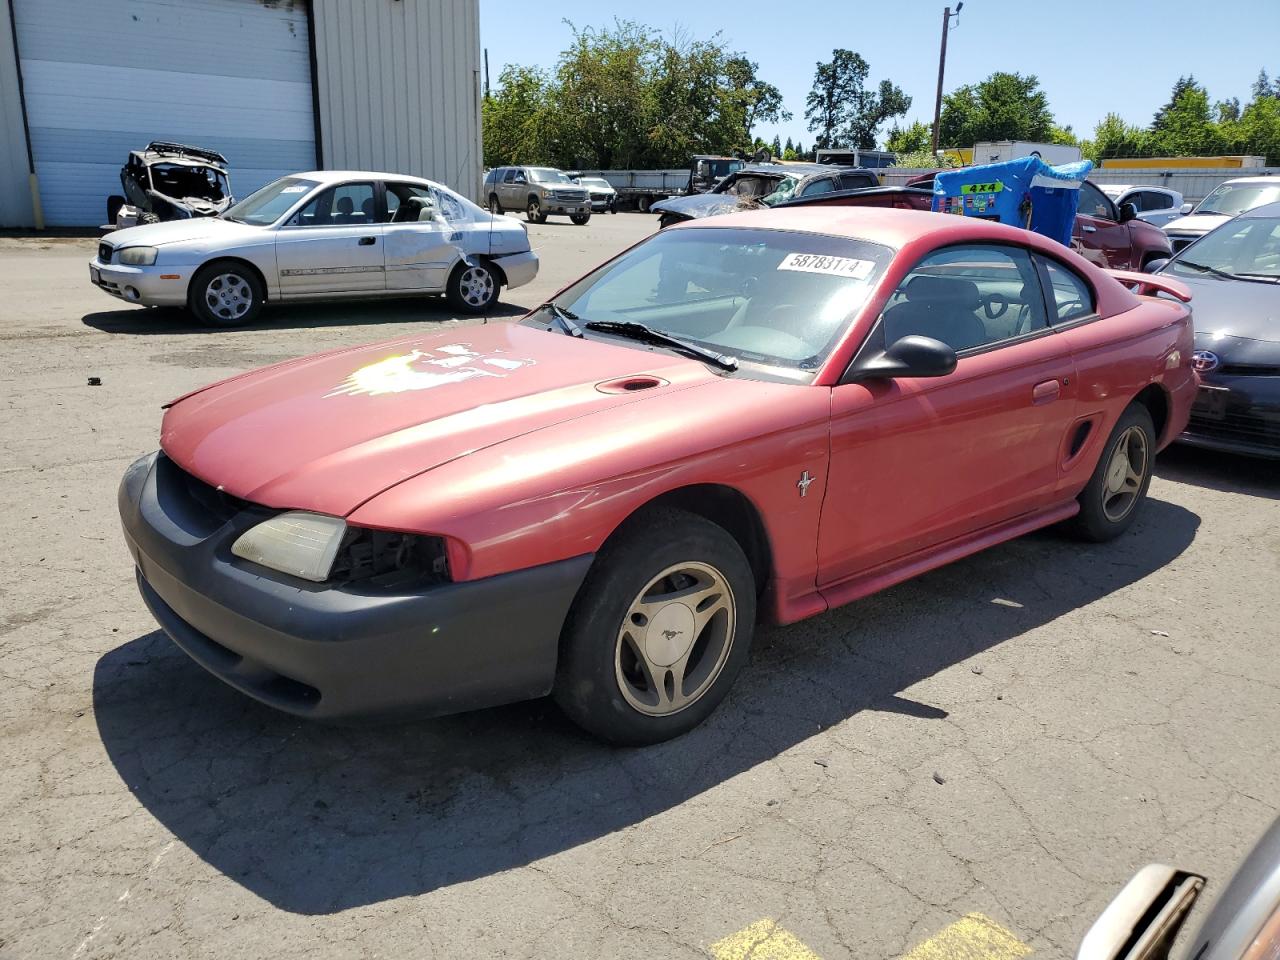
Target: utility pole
(942,66)
(486,73)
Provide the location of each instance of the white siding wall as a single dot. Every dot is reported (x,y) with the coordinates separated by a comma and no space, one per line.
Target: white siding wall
(399,87)
(15,194)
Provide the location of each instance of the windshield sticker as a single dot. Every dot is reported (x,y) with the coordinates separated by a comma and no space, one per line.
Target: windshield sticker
(424,369)
(296,188)
(836,266)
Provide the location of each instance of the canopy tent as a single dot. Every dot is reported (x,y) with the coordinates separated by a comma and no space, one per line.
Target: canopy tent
(1026,192)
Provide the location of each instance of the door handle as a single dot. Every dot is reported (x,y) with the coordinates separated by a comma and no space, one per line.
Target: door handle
(1088,229)
(368,241)
(1046,392)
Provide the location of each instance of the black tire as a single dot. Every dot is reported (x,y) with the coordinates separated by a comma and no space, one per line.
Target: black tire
(667,220)
(580,218)
(533,212)
(469,291)
(147,216)
(613,205)
(1105,511)
(643,204)
(114,203)
(495,205)
(594,656)
(205,296)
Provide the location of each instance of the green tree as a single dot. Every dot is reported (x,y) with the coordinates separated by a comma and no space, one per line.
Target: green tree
(515,119)
(911,139)
(841,109)
(1182,86)
(1262,87)
(758,101)
(1112,137)
(1185,127)
(1004,106)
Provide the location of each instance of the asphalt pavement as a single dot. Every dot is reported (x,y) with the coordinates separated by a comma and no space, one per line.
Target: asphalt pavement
(970,764)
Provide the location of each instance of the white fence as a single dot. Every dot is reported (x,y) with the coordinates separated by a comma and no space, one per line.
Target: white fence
(1194,184)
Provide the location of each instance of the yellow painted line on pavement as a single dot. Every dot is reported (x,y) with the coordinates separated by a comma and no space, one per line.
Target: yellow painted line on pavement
(763,940)
(972,937)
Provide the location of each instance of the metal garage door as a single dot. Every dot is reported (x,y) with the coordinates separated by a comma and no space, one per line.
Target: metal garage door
(107,77)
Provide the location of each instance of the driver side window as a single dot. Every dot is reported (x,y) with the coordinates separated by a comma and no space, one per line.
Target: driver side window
(967,296)
(1094,203)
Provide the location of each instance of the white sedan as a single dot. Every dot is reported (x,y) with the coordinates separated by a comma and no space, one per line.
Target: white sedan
(317,236)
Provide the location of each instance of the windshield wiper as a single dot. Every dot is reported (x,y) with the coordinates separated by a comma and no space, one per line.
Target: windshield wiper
(563,319)
(1205,268)
(1260,277)
(638,331)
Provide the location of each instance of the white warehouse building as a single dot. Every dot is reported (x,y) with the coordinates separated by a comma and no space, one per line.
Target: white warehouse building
(276,86)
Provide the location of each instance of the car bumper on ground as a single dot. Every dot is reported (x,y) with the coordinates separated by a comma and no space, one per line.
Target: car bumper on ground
(325,651)
(1237,415)
(519,268)
(154,286)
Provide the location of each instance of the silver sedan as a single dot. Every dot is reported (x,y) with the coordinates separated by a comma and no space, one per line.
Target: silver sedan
(316,236)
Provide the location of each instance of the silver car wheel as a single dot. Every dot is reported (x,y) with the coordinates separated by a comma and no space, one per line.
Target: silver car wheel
(476,286)
(1125,474)
(228,296)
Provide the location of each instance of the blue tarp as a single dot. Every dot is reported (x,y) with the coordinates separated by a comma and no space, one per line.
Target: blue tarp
(1026,192)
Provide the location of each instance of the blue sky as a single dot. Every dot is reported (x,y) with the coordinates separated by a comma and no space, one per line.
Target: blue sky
(1122,55)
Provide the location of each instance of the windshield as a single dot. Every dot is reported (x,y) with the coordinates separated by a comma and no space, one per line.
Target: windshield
(547,175)
(1248,248)
(1231,199)
(767,297)
(760,188)
(266,206)
(593,182)
(183,181)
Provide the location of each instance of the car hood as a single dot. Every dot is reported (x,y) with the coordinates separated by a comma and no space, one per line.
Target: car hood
(702,205)
(1196,223)
(1235,309)
(326,433)
(180,231)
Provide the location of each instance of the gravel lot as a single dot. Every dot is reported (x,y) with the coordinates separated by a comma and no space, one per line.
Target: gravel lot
(1088,709)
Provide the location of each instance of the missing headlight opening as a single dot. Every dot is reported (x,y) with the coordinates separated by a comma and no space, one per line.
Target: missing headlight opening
(382,559)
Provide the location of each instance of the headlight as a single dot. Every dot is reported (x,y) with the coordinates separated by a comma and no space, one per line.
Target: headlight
(138,256)
(300,544)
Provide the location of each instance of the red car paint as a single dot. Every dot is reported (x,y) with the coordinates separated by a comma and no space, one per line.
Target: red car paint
(528,455)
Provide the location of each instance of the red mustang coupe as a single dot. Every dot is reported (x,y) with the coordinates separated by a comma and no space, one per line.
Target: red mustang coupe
(751,417)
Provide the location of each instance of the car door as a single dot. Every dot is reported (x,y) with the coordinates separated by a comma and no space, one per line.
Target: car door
(420,245)
(918,462)
(514,186)
(1098,235)
(333,244)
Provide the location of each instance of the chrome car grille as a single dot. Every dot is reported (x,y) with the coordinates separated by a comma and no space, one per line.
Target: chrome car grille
(574,196)
(104,252)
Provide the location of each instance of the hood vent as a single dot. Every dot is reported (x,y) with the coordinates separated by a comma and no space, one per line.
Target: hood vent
(632,384)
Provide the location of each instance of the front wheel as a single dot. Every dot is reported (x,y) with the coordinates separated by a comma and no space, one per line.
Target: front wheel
(660,629)
(533,213)
(580,218)
(1110,501)
(473,288)
(226,295)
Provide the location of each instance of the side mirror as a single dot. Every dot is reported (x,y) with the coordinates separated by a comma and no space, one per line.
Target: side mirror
(1141,922)
(1187,208)
(912,356)
(1155,266)
(1128,211)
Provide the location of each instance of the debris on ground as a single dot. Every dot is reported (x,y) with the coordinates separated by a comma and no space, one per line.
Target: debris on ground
(938,778)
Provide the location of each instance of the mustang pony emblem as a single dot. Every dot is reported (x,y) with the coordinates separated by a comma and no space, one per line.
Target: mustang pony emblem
(424,369)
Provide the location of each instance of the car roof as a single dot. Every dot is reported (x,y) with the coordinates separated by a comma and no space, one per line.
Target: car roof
(341,176)
(799,169)
(883,225)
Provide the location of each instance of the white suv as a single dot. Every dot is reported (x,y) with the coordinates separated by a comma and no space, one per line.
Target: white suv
(1231,198)
(1156,205)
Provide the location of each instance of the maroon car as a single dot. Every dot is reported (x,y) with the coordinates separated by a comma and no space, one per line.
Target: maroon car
(1109,238)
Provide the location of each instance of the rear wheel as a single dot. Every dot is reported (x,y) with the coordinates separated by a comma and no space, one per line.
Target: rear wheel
(1110,501)
(226,294)
(495,206)
(660,629)
(580,218)
(473,287)
(643,204)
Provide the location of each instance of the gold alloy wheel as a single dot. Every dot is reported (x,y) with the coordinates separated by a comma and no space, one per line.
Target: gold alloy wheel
(675,639)
(1125,474)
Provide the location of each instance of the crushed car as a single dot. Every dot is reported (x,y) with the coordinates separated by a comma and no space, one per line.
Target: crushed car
(756,417)
(170,181)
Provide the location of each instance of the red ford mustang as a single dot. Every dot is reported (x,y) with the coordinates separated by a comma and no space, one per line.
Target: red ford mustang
(750,417)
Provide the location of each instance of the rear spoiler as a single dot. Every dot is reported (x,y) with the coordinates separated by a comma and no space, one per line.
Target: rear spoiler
(185,150)
(1149,284)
